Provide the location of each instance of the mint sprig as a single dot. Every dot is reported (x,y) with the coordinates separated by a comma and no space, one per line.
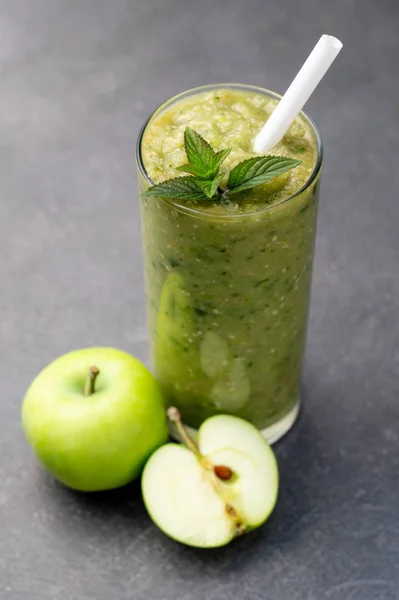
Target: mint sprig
(205,177)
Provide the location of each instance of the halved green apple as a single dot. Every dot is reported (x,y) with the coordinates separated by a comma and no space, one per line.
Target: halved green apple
(204,494)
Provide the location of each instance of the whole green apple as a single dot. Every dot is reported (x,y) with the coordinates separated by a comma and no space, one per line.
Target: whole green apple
(93,417)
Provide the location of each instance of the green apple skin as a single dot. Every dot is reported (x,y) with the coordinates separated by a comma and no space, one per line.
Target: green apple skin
(97,442)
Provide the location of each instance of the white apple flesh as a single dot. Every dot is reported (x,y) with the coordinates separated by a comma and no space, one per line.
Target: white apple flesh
(190,503)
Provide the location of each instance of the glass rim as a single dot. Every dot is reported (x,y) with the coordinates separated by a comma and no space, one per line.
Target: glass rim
(193,211)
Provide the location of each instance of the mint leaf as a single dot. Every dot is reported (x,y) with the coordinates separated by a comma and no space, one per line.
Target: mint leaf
(203,161)
(184,188)
(257,170)
(200,155)
(188,169)
(212,167)
(220,157)
(209,186)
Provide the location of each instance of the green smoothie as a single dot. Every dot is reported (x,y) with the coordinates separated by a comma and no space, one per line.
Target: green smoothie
(228,282)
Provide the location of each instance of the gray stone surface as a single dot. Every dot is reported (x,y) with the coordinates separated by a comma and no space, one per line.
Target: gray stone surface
(78,78)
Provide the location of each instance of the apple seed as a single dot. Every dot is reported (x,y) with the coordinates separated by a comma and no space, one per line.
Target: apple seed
(224,473)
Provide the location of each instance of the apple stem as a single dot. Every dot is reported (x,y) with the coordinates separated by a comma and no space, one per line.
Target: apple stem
(90,381)
(174,417)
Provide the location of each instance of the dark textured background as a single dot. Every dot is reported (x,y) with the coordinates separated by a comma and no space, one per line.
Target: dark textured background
(77,80)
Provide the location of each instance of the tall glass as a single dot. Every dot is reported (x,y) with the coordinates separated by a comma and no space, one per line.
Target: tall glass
(228,298)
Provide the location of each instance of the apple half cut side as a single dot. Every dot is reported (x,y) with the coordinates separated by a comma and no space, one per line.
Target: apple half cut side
(204,494)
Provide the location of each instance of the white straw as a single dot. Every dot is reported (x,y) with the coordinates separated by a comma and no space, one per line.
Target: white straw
(304,84)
